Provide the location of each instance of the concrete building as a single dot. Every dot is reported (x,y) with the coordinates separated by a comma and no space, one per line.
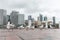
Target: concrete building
(53,20)
(8,18)
(3,20)
(14,17)
(20,19)
(59,24)
(32,20)
(45,18)
(29,17)
(41,17)
(38,19)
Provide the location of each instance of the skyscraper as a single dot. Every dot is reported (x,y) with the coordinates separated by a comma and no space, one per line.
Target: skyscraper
(14,17)
(8,17)
(53,20)
(20,19)
(45,18)
(32,19)
(29,17)
(38,18)
(41,17)
(3,17)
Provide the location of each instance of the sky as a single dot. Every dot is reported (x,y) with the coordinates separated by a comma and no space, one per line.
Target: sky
(47,8)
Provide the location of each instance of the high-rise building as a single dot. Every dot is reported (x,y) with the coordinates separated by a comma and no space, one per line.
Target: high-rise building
(45,18)
(59,24)
(53,20)
(29,17)
(3,17)
(41,17)
(14,17)
(8,17)
(20,19)
(38,18)
(32,20)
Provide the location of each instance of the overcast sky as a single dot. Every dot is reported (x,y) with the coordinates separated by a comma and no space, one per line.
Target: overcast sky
(48,8)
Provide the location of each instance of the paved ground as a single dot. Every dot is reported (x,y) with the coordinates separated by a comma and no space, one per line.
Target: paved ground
(36,34)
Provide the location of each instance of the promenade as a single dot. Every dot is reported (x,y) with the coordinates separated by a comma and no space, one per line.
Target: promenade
(36,34)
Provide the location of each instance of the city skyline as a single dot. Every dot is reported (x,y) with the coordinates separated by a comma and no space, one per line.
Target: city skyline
(30,17)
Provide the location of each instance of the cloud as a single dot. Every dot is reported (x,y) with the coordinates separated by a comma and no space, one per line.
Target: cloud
(45,7)
(31,6)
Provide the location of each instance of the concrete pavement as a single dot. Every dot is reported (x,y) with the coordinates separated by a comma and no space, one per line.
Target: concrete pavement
(36,34)
(8,35)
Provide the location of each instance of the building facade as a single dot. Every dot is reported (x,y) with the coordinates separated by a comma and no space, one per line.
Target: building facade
(20,19)
(41,17)
(53,20)
(14,17)
(3,20)
(29,17)
(45,18)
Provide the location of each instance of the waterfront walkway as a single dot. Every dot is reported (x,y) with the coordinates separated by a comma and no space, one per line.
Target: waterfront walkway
(36,34)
